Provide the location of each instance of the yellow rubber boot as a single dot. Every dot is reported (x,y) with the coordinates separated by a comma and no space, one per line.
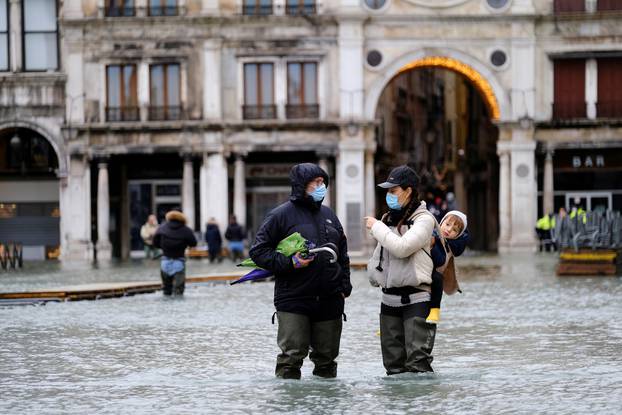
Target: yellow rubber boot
(434,316)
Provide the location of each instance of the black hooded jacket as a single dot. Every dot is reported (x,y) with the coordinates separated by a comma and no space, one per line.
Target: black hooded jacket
(173,237)
(295,288)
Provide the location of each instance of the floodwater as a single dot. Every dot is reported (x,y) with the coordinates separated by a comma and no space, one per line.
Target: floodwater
(519,340)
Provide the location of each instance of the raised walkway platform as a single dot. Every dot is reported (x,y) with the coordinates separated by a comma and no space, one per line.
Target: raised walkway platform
(115,289)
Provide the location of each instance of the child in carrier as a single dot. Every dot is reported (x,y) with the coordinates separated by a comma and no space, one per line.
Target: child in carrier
(451,243)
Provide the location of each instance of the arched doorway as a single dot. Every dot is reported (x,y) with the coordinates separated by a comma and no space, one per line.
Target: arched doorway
(29,207)
(437,115)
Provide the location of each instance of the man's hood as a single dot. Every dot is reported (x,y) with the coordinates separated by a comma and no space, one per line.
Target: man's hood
(300,175)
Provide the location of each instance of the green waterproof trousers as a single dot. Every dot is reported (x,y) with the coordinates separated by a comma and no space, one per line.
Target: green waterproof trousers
(296,334)
(406,344)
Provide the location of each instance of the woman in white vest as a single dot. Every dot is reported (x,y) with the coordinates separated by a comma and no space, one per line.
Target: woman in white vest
(401,265)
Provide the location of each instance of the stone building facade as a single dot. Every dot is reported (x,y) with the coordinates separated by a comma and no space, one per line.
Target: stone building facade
(205,104)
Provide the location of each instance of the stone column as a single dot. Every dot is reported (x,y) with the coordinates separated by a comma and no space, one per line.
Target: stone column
(212,105)
(239,191)
(591,87)
(547,191)
(15,38)
(75,209)
(370,184)
(214,189)
(524,190)
(187,192)
(350,190)
(323,163)
(505,222)
(103,213)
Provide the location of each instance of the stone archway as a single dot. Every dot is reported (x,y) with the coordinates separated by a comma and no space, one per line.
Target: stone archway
(55,141)
(451,59)
(406,137)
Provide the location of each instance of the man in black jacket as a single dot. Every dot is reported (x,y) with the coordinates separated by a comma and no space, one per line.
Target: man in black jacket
(309,292)
(173,237)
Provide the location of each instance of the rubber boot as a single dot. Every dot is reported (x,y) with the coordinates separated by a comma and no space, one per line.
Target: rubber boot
(419,339)
(293,338)
(167,283)
(392,344)
(325,339)
(179,283)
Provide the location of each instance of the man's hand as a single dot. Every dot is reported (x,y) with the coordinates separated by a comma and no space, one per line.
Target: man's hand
(432,242)
(300,262)
(369,221)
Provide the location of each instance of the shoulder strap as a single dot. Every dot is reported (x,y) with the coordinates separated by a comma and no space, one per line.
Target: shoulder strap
(411,220)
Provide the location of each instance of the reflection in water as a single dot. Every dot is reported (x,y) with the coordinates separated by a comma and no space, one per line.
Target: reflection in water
(518,340)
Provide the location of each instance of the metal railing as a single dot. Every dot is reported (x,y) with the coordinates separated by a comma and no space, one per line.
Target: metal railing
(569,6)
(594,229)
(569,110)
(258,112)
(609,108)
(300,10)
(169,113)
(257,10)
(122,11)
(122,114)
(293,111)
(163,10)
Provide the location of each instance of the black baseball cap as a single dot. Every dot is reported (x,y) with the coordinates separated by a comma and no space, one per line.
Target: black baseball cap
(402,176)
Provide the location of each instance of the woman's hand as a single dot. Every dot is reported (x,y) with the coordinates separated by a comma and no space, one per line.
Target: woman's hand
(369,221)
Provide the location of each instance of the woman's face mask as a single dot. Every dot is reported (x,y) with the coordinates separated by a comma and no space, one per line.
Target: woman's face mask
(398,197)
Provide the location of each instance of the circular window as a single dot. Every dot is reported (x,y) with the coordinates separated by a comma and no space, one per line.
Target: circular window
(497,4)
(375,4)
(374,58)
(498,58)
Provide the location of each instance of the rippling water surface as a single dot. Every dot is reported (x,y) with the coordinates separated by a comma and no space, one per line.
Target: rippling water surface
(519,340)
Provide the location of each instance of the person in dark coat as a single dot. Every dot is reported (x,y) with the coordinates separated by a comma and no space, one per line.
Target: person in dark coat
(309,292)
(214,240)
(235,238)
(173,237)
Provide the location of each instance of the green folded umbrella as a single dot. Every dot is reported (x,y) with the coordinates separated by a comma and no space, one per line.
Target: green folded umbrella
(288,247)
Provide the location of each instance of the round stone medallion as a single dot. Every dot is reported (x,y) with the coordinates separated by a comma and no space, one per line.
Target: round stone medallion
(522,170)
(352,171)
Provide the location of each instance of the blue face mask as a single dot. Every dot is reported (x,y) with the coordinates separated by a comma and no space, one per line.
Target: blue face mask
(392,202)
(319,193)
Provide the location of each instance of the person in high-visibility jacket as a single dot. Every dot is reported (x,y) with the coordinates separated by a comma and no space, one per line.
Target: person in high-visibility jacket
(543,229)
(579,213)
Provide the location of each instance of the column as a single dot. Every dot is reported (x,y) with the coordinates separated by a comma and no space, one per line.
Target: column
(212,85)
(370,183)
(323,163)
(504,197)
(351,67)
(103,213)
(15,38)
(187,192)
(214,189)
(523,185)
(547,192)
(239,190)
(591,87)
(75,208)
(143,90)
(350,190)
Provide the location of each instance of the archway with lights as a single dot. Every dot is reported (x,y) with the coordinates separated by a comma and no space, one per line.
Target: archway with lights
(30,207)
(438,114)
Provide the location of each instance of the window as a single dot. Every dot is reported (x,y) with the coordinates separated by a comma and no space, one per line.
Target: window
(609,98)
(298,7)
(258,91)
(40,35)
(4,35)
(115,8)
(122,99)
(569,88)
(164,92)
(608,5)
(302,99)
(375,4)
(163,8)
(569,6)
(257,7)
